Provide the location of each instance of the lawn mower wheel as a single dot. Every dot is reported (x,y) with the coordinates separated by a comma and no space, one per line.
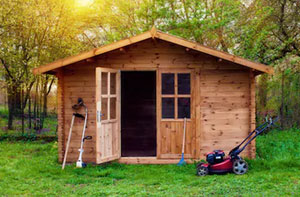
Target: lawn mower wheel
(240,167)
(202,170)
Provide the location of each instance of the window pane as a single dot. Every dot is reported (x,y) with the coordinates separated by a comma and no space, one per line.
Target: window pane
(103,83)
(112,83)
(184,86)
(184,108)
(167,83)
(168,108)
(104,109)
(113,107)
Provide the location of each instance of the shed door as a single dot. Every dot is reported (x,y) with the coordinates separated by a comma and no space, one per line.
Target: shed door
(108,114)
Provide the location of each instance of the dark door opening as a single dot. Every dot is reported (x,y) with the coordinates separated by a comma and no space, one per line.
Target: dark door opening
(138,113)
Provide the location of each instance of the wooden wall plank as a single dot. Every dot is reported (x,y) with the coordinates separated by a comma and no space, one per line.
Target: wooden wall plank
(80,83)
(224,109)
(60,115)
(198,100)
(252,108)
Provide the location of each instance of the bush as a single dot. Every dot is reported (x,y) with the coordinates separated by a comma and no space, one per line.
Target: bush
(27,137)
(278,149)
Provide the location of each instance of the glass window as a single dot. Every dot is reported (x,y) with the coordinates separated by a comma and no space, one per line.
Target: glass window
(108,95)
(113,83)
(184,108)
(104,83)
(176,95)
(168,108)
(104,106)
(113,108)
(167,83)
(184,86)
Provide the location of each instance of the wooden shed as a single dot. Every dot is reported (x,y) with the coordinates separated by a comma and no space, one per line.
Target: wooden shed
(144,86)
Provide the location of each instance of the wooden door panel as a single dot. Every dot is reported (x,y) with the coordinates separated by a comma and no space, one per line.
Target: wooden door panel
(170,130)
(109,141)
(108,115)
(171,139)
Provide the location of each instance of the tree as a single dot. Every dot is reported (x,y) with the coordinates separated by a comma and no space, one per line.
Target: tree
(269,34)
(32,33)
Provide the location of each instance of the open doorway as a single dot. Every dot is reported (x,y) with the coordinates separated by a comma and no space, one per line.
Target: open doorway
(138,113)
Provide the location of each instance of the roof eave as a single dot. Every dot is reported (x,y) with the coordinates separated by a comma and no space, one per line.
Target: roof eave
(97,51)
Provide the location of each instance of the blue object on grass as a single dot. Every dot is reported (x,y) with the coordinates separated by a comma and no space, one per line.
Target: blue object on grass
(181,162)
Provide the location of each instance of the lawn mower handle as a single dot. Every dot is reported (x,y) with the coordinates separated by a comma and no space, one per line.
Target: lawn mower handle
(260,129)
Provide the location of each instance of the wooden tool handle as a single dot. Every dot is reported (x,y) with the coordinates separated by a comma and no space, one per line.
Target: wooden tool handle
(183,142)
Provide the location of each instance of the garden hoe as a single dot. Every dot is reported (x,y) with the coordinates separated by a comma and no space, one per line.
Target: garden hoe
(182,162)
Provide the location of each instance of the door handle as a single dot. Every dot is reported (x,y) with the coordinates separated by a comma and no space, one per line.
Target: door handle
(99,115)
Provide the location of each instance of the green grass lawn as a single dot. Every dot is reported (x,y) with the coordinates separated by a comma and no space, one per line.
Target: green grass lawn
(31,168)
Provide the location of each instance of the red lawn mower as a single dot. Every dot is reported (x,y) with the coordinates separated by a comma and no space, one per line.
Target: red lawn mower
(219,164)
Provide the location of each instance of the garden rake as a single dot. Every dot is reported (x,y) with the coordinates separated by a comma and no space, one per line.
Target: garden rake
(182,162)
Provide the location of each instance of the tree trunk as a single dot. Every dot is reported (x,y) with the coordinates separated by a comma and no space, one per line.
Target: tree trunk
(45,95)
(29,112)
(297,101)
(18,101)
(10,101)
(22,111)
(40,109)
(35,115)
(6,100)
(282,117)
(45,107)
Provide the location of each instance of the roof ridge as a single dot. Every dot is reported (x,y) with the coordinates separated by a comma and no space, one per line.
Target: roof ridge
(153,33)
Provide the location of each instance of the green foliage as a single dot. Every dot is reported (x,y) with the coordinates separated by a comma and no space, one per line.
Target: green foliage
(36,32)
(24,137)
(279,146)
(3,112)
(32,169)
(27,137)
(279,94)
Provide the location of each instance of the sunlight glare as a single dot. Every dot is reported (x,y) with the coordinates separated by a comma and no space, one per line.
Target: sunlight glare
(84,3)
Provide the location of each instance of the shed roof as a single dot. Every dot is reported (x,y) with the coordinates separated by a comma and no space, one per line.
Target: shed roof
(153,33)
